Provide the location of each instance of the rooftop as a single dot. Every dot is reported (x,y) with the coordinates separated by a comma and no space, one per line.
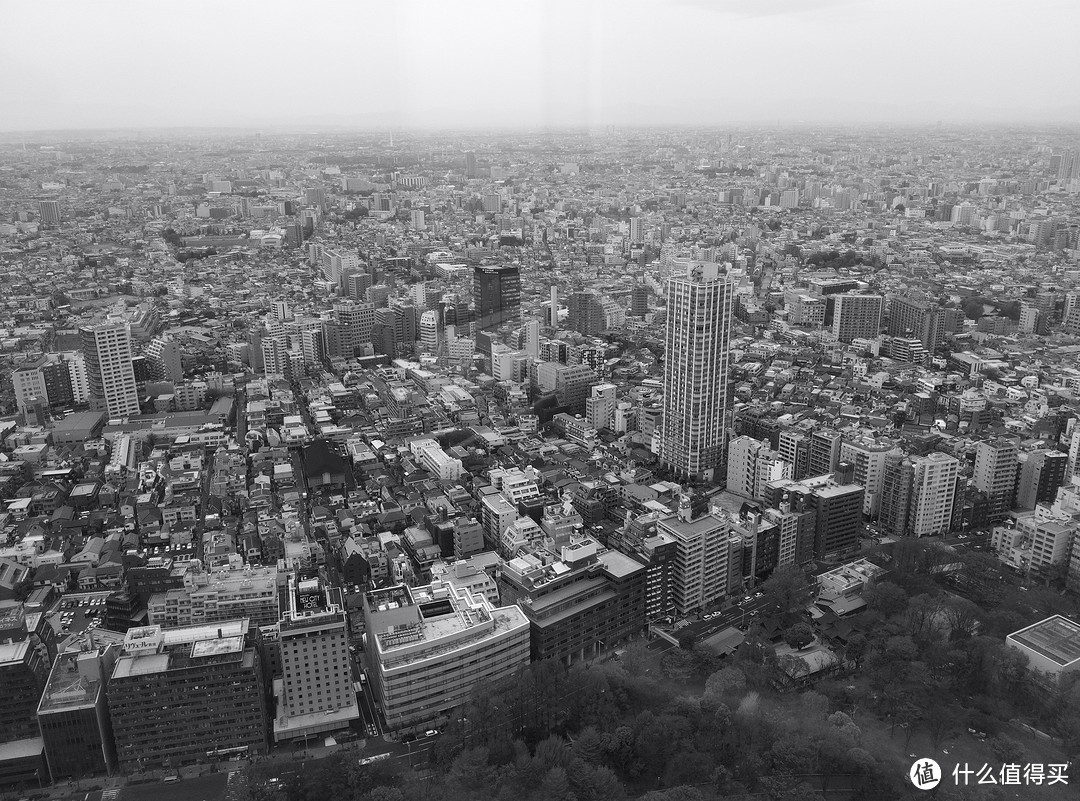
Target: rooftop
(1057,638)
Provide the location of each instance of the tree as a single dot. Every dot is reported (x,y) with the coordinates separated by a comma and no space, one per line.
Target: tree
(799,636)
(789,589)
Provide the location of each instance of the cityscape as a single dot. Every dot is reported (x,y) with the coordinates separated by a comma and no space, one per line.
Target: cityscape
(667,459)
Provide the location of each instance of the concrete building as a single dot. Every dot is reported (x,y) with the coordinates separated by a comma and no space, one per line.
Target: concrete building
(496,295)
(182,696)
(216,595)
(580,600)
(73,714)
(1052,646)
(697,338)
(708,559)
(996,465)
(107,351)
(856,316)
(427,648)
(1041,472)
(315,692)
(867,458)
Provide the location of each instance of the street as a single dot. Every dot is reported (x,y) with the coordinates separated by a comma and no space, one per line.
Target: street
(702,629)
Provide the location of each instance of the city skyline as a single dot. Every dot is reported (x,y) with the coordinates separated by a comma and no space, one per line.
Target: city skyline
(480,64)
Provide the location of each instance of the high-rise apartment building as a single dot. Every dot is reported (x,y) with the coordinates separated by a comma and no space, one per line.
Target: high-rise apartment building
(918,319)
(496,295)
(867,458)
(163,354)
(316,693)
(699,307)
(933,493)
(708,558)
(996,463)
(856,316)
(1041,473)
(107,350)
(824,452)
(49,211)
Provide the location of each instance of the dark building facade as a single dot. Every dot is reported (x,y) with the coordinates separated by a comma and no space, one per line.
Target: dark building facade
(182,696)
(496,295)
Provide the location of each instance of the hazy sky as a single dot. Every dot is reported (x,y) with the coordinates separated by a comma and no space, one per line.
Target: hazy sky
(449,63)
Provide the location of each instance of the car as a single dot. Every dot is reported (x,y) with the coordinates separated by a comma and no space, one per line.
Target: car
(759,595)
(748,598)
(431,732)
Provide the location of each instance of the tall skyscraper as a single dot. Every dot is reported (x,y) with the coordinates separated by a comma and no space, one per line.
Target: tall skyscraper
(107,350)
(696,371)
(496,295)
(470,165)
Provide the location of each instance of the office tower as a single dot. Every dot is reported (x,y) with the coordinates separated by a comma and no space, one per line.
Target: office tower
(356,321)
(316,693)
(824,452)
(49,211)
(919,319)
(867,458)
(837,510)
(696,369)
(429,332)
(553,311)
(163,355)
(839,517)
(471,170)
(73,714)
(428,647)
(856,316)
(186,695)
(996,464)
(1041,473)
(586,313)
(294,234)
(107,350)
(794,448)
(579,599)
(637,230)
(496,295)
(639,300)
(27,647)
(708,561)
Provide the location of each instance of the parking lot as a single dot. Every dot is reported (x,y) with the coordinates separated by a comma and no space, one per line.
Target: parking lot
(79,613)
